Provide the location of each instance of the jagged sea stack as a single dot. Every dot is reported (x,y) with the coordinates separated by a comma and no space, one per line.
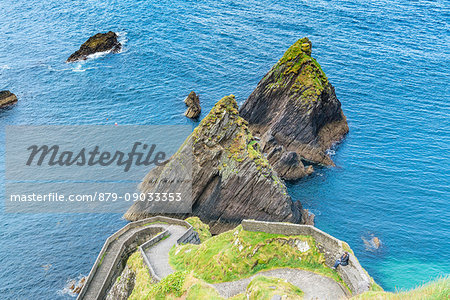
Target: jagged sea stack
(231,179)
(295,112)
(193,103)
(7,98)
(100,42)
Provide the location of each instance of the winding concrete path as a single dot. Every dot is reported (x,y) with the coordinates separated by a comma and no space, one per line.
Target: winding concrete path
(158,254)
(313,285)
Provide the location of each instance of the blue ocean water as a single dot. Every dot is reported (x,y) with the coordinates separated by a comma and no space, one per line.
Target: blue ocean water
(389,61)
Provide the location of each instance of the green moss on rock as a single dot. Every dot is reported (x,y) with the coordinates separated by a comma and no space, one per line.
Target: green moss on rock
(224,120)
(300,73)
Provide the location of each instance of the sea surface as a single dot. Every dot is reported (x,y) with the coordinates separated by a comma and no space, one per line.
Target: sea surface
(388,60)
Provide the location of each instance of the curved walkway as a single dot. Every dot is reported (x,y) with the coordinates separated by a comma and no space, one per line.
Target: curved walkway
(314,286)
(158,255)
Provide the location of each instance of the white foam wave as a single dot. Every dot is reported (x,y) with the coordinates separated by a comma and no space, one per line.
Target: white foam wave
(5,67)
(79,68)
(122,39)
(330,152)
(68,288)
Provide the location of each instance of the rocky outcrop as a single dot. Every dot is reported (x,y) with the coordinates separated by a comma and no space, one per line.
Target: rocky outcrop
(100,42)
(295,112)
(193,103)
(231,179)
(7,98)
(123,286)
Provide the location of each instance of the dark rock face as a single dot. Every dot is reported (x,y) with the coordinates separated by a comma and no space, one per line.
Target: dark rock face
(231,179)
(100,42)
(294,109)
(193,103)
(7,98)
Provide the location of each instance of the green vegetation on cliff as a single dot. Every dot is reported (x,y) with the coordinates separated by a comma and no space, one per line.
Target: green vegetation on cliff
(222,120)
(238,254)
(143,283)
(310,80)
(201,228)
(436,290)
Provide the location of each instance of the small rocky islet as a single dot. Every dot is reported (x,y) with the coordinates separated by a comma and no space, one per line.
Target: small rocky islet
(194,109)
(240,157)
(7,98)
(99,42)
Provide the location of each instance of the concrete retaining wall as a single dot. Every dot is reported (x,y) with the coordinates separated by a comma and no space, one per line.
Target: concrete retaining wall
(127,248)
(353,274)
(147,232)
(144,238)
(130,245)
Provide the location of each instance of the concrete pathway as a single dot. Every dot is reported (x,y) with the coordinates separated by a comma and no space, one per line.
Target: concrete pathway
(313,285)
(96,284)
(158,254)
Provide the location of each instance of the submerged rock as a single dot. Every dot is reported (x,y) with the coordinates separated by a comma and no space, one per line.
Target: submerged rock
(7,98)
(294,109)
(100,42)
(193,103)
(231,179)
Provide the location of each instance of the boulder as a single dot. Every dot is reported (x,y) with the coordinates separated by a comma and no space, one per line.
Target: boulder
(100,42)
(7,98)
(231,178)
(193,103)
(294,109)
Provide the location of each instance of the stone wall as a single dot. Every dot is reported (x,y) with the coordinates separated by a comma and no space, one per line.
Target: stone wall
(126,248)
(353,274)
(189,237)
(142,236)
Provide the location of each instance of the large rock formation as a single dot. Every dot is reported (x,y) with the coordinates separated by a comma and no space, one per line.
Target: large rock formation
(231,179)
(193,103)
(100,42)
(7,98)
(295,112)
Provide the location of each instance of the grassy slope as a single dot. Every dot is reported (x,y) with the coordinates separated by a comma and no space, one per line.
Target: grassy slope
(237,254)
(265,288)
(185,284)
(201,228)
(437,290)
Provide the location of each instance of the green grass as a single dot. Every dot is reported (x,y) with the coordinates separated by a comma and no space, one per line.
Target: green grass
(153,223)
(142,285)
(101,259)
(436,290)
(201,228)
(264,288)
(169,285)
(237,254)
